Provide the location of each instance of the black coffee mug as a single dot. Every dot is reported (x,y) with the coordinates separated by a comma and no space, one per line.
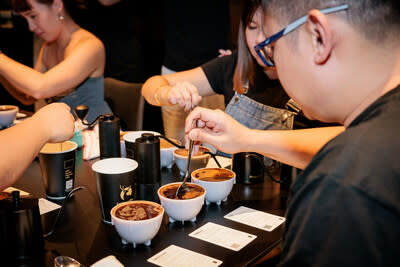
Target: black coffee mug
(116,181)
(249,167)
(57,163)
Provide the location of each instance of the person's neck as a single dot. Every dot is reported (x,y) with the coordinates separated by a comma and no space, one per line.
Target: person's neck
(63,40)
(379,73)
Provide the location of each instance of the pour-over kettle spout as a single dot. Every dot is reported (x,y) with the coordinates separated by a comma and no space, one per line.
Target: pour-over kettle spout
(81,112)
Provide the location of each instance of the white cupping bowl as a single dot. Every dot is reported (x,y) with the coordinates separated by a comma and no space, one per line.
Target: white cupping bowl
(7,115)
(137,232)
(166,154)
(216,191)
(196,162)
(181,209)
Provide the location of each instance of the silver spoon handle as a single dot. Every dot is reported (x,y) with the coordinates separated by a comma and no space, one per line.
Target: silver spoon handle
(188,160)
(191,142)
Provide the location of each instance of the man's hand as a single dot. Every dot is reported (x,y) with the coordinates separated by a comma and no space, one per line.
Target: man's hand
(57,122)
(217,129)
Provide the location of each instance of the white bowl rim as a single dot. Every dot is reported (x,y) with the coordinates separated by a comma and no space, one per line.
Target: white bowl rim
(133,202)
(180,200)
(14,108)
(227,180)
(194,157)
(134,166)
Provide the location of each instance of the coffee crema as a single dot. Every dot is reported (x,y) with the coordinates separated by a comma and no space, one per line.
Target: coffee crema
(5,108)
(138,211)
(194,191)
(57,147)
(213,174)
(184,152)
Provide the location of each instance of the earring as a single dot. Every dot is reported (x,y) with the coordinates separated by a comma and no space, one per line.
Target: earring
(61,17)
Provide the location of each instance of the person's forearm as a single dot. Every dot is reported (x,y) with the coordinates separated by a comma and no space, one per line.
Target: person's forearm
(292,147)
(19,145)
(21,97)
(21,77)
(154,91)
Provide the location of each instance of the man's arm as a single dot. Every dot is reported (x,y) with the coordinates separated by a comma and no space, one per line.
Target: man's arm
(20,144)
(293,147)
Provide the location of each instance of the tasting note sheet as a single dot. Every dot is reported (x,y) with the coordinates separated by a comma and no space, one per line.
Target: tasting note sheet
(173,256)
(255,218)
(223,236)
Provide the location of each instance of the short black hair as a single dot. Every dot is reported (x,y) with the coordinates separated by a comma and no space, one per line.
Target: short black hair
(377,20)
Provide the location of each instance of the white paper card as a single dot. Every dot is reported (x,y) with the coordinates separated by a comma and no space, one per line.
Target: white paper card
(21,193)
(223,236)
(47,206)
(110,261)
(255,218)
(224,161)
(174,256)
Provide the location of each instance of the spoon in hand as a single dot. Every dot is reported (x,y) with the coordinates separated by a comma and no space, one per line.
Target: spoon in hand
(183,188)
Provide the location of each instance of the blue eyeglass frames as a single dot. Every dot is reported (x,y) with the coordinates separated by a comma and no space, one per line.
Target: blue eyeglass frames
(262,47)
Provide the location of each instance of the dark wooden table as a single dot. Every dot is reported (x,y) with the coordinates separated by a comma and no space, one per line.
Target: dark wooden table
(82,235)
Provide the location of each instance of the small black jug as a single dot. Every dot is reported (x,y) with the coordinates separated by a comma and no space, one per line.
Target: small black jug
(109,128)
(147,154)
(21,232)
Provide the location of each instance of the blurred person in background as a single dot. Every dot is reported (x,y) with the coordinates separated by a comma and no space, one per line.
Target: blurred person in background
(70,64)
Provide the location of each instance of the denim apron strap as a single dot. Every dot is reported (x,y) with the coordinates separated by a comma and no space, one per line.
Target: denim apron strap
(255,115)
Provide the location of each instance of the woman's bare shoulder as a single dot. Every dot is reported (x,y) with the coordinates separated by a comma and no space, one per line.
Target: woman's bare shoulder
(86,38)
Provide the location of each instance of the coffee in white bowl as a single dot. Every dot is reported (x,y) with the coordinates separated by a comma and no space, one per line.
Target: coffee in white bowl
(185,208)
(197,161)
(8,114)
(218,183)
(138,221)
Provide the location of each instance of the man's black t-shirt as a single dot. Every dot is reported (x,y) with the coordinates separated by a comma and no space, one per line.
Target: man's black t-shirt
(345,206)
(220,71)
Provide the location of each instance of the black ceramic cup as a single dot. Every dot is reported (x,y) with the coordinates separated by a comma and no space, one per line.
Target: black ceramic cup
(249,167)
(116,182)
(57,162)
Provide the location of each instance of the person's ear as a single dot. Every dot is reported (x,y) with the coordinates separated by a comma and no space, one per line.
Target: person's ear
(58,5)
(321,34)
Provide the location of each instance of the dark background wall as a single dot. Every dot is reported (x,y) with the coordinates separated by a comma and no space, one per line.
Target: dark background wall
(17,42)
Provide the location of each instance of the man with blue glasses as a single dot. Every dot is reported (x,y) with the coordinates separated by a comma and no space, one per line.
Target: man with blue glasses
(340,61)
